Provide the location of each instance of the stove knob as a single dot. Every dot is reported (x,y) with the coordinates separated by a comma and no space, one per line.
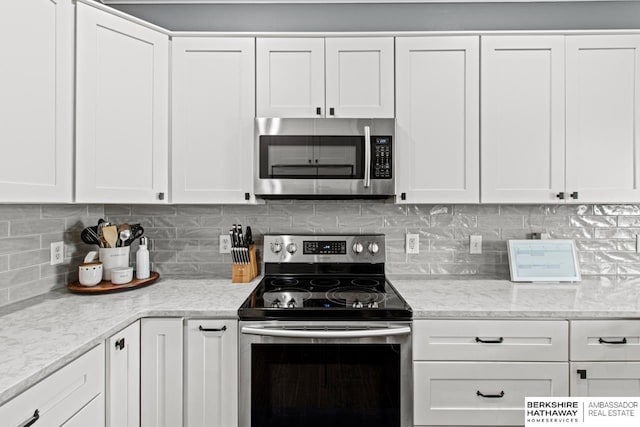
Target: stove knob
(372,305)
(275,303)
(292,248)
(373,248)
(291,303)
(276,247)
(357,247)
(357,304)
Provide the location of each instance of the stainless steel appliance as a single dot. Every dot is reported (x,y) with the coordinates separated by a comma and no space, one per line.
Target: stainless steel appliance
(325,339)
(325,163)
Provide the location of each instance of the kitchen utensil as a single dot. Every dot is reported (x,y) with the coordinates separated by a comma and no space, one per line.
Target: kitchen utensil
(124,232)
(136,232)
(87,236)
(248,236)
(110,234)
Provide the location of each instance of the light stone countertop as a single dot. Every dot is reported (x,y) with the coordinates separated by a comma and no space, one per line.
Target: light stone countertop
(41,335)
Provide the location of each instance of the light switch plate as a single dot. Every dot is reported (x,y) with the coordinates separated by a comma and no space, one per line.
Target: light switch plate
(57,253)
(475,244)
(225,244)
(412,244)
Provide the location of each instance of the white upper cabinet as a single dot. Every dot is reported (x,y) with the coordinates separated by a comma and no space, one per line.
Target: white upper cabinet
(290,77)
(293,77)
(359,77)
(522,112)
(121,109)
(603,99)
(437,122)
(213,104)
(36,101)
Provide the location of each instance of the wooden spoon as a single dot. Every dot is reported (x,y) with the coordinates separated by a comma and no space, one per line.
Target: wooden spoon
(110,234)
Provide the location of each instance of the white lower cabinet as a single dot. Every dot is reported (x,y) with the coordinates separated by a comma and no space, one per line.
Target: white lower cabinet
(605,358)
(161,372)
(482,393)
(211,373)
(478,372)
(123,378)
(72,396)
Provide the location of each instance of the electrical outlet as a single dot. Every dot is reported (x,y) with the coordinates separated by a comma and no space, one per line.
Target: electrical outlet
(57,253)
(412,244)
(225,244)
(475,244)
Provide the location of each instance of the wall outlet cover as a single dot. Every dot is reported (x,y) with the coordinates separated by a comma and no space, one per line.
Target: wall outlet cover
(57,253)
(475,244)
(412,243)
(225,244)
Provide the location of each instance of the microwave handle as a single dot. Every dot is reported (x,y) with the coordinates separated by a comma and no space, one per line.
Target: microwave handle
(367,157)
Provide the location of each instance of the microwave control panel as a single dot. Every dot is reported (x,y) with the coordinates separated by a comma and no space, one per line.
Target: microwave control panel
(381,159)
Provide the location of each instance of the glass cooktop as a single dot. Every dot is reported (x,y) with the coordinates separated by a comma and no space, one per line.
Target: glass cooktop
(325,297)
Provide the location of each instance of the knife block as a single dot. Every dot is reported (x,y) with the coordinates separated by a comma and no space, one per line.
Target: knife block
(244,273)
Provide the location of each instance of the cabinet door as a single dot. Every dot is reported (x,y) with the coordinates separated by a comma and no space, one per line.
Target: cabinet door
(605,379)
(213,106)
(123,378)
(522,110)
(437,119)
(36,101)
(476,393)
(122,109)
(603,98)
(211,390)
(161,372)
(290,77)
(359,77)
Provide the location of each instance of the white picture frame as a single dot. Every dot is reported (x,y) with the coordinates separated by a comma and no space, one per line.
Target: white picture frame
(547,260)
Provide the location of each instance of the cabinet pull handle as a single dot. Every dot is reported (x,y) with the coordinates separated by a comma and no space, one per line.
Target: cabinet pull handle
(160,196)
(319,111)
(498,341)
(560,195)
(490,396)
(120,344)
(332,111)
(32,420)
(622,341)
(574,195)
(582,373)
(224,328)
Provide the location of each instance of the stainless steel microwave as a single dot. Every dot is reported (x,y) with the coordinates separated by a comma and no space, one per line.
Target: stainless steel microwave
(317,166)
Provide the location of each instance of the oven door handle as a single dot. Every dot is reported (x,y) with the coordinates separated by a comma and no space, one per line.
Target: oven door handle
(327,333)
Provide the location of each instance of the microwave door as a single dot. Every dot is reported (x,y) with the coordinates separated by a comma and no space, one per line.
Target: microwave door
(284,157)
(339,157)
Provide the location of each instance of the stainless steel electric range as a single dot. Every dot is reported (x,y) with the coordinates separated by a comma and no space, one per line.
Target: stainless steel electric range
(325,339)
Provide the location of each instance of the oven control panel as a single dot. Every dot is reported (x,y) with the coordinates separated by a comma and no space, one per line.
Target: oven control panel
(280,248)
(381,159)
(324,247)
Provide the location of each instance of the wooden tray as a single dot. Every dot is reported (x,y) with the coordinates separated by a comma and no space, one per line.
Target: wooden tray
(106,286)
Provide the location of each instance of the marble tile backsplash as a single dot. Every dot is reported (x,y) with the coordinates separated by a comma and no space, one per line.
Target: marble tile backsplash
(184,238)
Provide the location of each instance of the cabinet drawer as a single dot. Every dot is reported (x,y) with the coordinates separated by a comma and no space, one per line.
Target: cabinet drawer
(498,340)
(62,394)
(605,340)
(450,393)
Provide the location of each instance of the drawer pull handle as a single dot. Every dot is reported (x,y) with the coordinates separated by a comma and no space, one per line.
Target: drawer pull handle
(120,344)
(490,396)
(31,421)
(622,341)
(498,341)
(224,328)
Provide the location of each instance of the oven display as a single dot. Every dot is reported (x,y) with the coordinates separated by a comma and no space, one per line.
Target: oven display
(324,247)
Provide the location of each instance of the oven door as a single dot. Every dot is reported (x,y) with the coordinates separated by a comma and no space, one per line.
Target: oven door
(331,374)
